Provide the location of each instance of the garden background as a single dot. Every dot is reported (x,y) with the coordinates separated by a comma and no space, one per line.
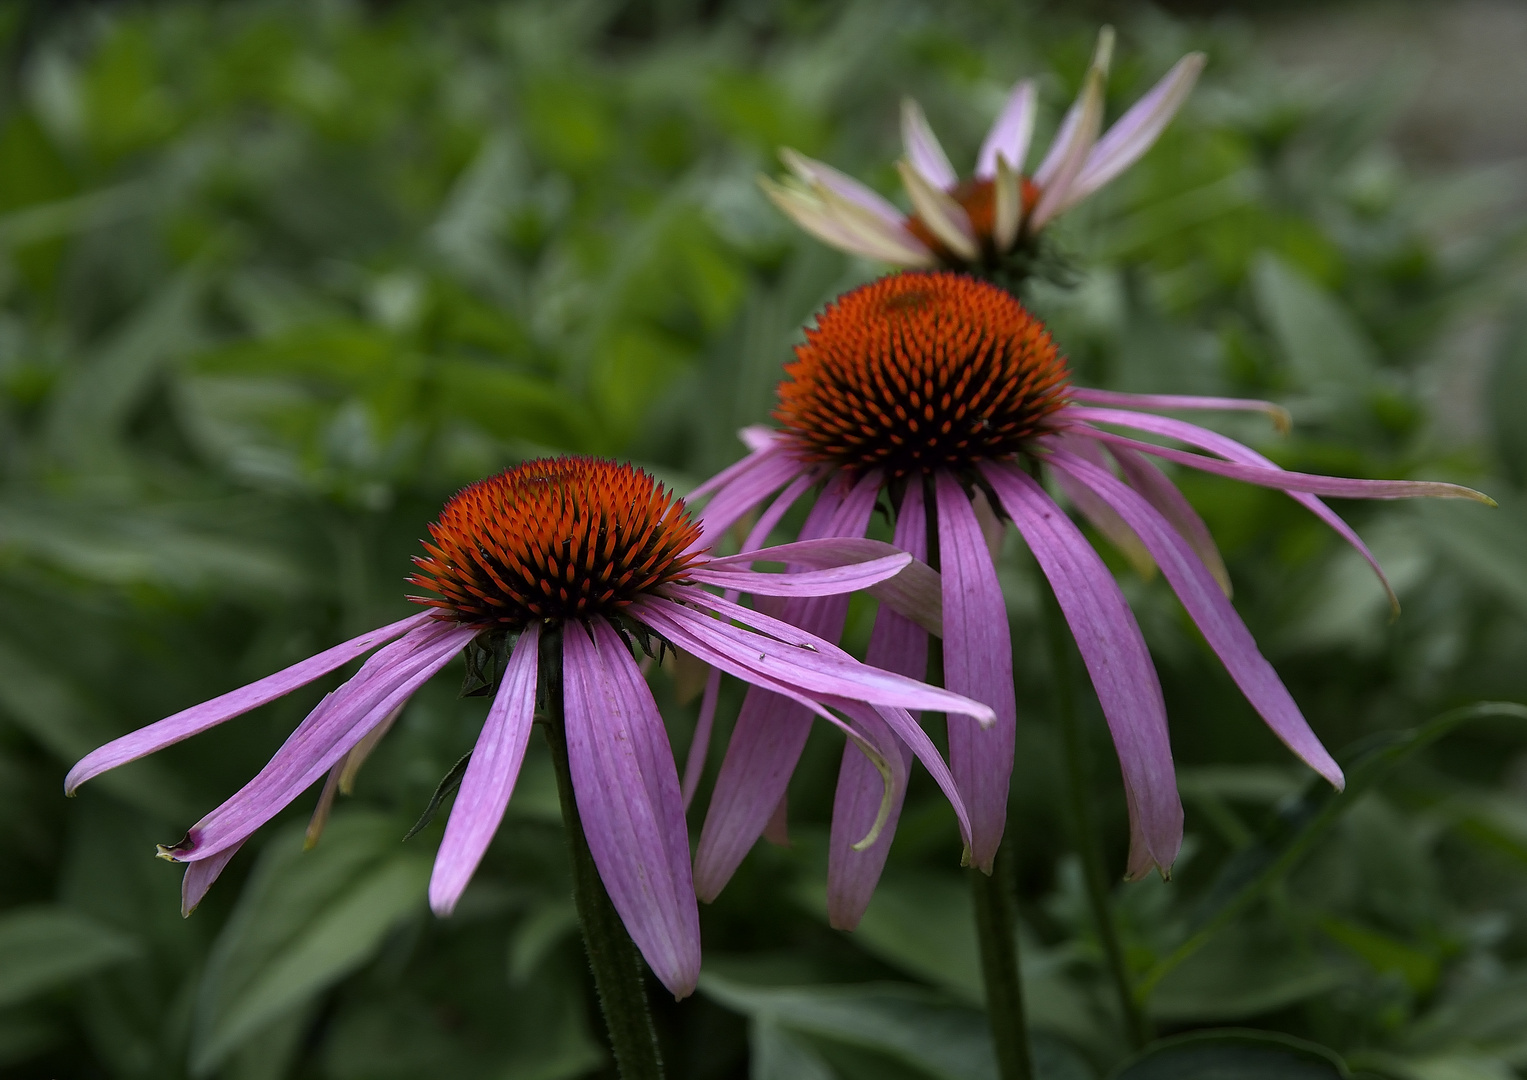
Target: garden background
(276,278)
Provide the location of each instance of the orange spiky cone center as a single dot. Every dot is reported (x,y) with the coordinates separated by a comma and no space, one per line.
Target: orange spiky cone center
(921,371)
(558,538)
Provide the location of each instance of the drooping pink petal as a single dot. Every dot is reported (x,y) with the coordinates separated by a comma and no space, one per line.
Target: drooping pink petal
(1171,504)
(900,645)
(863,809)
(771,729)
(199,877)
(340,721)
(978,663)
(1097,511)
(198,718)
(490,776)
(1087,396)
(777,510)
(699,746)
(1114,652)
(772,469)
(1138,129)
(923,148)
(627,790)
(1211,612)
(846,578)
(815,172)
(1010,133)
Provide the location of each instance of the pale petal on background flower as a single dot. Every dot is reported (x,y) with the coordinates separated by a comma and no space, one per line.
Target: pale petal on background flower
(1171,504)
(1007,190)
(923,149)
(978,662)
(812,211)
(945,218)
(1211,612)
(1137,130)
(490,776)
(1114,652)
(340,721)
(199,877)
(198,718)
(627,790)
(1011,132)
(1078,132)
(1277,413)
(811,171)
(900,645)
(898,244)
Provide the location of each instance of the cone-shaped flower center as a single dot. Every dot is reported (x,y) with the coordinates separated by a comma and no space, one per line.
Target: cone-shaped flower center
(978,198)
(560,538)
(921,371)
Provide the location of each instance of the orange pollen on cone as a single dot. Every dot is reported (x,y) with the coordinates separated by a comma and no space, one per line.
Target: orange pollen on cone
(921,371)
(979,200)
(558,538)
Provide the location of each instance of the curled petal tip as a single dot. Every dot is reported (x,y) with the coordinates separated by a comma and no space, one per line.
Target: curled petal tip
(1102,55)
(1282,419)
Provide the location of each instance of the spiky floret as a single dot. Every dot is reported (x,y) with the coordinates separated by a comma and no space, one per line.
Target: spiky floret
(561,538)
(921,371)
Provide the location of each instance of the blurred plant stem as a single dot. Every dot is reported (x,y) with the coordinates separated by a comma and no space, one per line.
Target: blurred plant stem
(617,967)
(1078,796)
(996,929)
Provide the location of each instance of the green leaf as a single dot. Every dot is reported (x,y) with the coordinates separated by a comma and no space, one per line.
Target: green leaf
(776,1054)
(43,948)
(1248,875)
(1244,972)
(1506,401)
(1323,344)
(304,921)
(1234,1055)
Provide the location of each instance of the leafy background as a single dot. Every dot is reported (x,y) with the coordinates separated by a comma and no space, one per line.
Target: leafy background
(278,277)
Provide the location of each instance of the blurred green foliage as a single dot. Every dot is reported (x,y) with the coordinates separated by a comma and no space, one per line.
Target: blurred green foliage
(276,278)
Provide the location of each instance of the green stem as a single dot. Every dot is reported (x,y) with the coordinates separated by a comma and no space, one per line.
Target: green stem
(995,930)
(1079,798)
(617,966)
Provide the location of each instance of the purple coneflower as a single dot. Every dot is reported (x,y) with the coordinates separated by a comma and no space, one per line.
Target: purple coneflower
(981,223)
(593,555)
(942,392)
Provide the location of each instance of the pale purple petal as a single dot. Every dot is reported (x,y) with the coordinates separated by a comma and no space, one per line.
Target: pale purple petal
(978,663)
(757,437)
(860,800)
(699,746)
(627,790)
(1010,134)
(845,225)
(1171,504)
(769,471)
(923,149)
(896,644)
(1211,612)
(198,718)
(838,579)
(1278,414)
(1138,129)
(815,172)
(939,211)
(199,877)
(1114,652)
(339,722)
(490,776)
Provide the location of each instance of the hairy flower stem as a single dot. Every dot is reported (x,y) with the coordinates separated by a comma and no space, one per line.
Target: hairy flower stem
(617,967)
(996,932)
(1079,797)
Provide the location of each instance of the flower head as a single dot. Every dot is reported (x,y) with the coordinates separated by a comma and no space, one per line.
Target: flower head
(580,557)
(943,394)
(989,222)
